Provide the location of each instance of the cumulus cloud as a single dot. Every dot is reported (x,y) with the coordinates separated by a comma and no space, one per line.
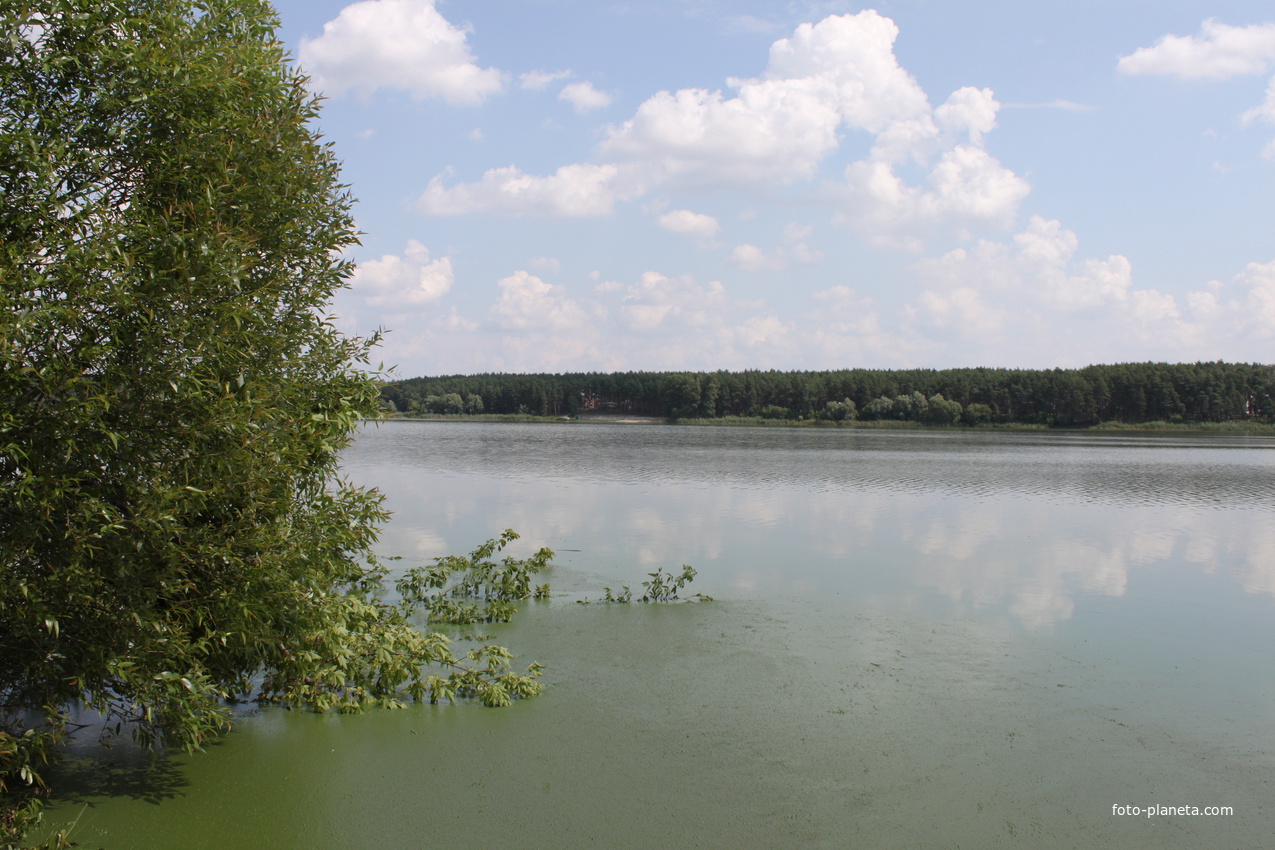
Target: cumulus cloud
(1264,112)
(834,77)
(1067,105)
(573,191)
(403,44)
(1239,314)
(777,128)
(1038,265)
(1037,293)
(967,186)
(678,321)
(751,258)
(539,80)
(552,264)
(690,223)
(1031,300)
(528,303)
(968,112)
(658,301)
(699,137)
(658,321)
(850,60)
(847,326)
(407,282)
(1220,51)
(584,97)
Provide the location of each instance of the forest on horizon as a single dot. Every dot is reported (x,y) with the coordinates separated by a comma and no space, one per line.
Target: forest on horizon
(1118,393)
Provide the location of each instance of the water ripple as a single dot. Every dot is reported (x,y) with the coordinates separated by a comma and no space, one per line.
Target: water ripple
(1201,471)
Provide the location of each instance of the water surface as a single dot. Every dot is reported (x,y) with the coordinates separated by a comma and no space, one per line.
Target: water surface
(920,638)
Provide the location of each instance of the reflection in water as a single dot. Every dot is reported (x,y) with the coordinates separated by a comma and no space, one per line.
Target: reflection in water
(921,640)
(1022,524)
(1203,471)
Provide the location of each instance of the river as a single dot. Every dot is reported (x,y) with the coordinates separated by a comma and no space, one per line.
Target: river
(919,638)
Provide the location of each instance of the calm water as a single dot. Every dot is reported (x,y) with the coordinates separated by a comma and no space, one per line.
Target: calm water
(920,639)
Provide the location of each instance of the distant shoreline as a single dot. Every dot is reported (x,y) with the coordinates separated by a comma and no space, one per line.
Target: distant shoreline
(890,425)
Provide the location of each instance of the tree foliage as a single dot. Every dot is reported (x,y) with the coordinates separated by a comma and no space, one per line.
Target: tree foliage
(1122,392)
(173,528)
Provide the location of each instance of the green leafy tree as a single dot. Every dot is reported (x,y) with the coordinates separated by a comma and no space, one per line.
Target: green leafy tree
(976,414)
(880,407)
(841,411)
(941,411)
(910,407)
(173,399)
(683,396)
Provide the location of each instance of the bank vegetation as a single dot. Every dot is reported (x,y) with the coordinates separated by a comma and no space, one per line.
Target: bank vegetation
(1205,395)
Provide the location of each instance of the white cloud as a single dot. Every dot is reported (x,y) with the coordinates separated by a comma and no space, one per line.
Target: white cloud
(762,332)
(849,60)
(779,127)
(658,322)
(1034,298)
(838,75)
(690,223)
(776,130)
(794,237)
(964,309)
(410,281)
(847,327)
(453,321)
(1234,318)
(574,190)
(1220,51)
(1069,106)
(1264,112)
(967,186)
(1038,266)
(803,253)
(698,137)
(968,111)
(403,44)
(528,303)
(847,312)
(552,264)
(584,97)
(751,258)
(794,232)
(658,301)
(539,80)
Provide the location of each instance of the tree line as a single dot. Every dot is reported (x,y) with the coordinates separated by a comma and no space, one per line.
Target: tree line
(1073,398)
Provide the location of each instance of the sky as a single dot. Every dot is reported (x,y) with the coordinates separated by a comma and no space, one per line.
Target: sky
(584,185)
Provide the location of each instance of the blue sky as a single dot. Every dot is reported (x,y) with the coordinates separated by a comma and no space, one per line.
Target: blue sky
(576,185)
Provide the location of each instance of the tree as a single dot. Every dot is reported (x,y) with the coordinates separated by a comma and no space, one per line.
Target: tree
(879,408)
(173,528)
(841,411)
(682,396)
(941,411)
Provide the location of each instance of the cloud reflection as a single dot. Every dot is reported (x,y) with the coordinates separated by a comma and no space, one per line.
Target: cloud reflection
(1031,553)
